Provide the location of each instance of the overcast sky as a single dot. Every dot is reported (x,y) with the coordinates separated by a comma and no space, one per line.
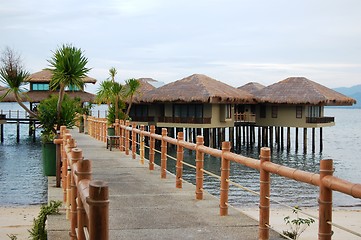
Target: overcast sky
(234,41)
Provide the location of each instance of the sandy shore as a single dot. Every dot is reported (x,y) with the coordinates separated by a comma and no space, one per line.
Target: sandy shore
(17,221)
(349,218)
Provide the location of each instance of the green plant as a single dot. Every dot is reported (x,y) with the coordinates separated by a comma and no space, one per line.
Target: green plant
(38,231)
(47,115)
(12,236)
(297,225)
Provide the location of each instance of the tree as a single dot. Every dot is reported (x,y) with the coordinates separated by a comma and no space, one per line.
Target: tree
(131,88)
(68,66)
(111,92)
(14,76)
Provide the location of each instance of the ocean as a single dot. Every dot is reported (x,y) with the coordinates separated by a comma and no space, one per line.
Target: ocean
(22,181)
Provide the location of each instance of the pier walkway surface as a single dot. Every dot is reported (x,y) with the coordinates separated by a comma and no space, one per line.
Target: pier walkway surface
(144,206)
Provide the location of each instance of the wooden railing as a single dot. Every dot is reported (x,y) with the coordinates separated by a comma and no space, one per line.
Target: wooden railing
(325,181)
(191,120)
(86,200)
(10,114)
(245,117)
(320,119)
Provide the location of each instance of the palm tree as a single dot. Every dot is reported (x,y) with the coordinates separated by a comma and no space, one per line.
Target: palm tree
(14,76)
(68,66)
(131,88)
(111,92)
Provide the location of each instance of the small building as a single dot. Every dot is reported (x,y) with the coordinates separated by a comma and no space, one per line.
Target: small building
(297,102)
(40,89)
(197,101)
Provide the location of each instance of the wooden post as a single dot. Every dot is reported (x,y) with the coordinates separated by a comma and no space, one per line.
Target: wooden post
(141,149)
(259,137)
(304,140)
(264,202)
(84,172)
(163,157)
(225,169)
(313,140)
(2,132)
(325,201)
(122,135)
(126,138)
(199,168)
(151,148)
(296,144)
(179,166)
(282,138)
(288,139)
(134,141)
(17,131)
(271,137)
(321,140)
(76,155)
(98,201)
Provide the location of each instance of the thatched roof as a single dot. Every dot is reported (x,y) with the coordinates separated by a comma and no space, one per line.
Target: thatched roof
(197,88)
(300,90)
(37,96)
(252,87)
(44,76)
(145,87)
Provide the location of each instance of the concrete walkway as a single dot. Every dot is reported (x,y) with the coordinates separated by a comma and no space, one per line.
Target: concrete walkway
(144,206)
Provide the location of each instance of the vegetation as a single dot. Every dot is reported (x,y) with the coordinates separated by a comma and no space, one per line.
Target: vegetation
(115,95)
(68,66)
(47,115)
(297,225)
(14,76)
(38,231)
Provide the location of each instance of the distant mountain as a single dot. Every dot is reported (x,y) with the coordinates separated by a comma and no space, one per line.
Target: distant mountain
(354,92)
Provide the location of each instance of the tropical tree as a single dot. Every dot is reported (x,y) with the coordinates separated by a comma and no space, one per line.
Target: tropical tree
(68,66)
(14,76)
(131,88)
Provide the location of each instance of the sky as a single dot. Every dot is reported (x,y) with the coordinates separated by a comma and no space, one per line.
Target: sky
(233,41)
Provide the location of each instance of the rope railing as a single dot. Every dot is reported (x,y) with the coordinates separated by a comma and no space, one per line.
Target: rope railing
(86,201)
(324,180)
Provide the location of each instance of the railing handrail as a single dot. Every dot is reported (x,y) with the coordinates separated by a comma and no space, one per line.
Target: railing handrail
(325,181)
(89,214)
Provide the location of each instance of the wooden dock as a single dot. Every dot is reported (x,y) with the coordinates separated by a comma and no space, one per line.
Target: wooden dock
(144,206)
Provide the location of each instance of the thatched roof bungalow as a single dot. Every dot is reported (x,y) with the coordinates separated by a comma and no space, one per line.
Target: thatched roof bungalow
(195,101)
(39,88)
(297,102)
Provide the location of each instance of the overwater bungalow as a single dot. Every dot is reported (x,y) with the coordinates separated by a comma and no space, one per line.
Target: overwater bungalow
(295,102)
(197,101)
(40,89)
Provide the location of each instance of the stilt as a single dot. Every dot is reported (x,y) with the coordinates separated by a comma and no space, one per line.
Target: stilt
(282,137)
(206,136)
(244,134)
(313,140)
(305,140)
(259,137)
(296,144)
(194,131)
(236,142)
(251,135)
(321,140)
(2,132)
(278,138)
(288,139)
(271,137)
(17,131)
(211,140)
(231,137)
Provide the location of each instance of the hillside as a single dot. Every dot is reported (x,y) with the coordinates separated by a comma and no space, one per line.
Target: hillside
(354,92)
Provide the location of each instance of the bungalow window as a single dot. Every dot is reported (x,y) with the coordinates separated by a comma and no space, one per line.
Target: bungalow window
(40,87)
(314,111)
(188,111)
(274,111)
(72,88)
(263,111)
(228,111)
(299,112)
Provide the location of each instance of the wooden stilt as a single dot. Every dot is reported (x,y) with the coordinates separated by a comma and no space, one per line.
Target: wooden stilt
(288,139)
(282,137)
(2,132)
(296,136)
(321,140)
(313,140)
(305,140)
(17,131)
(259,137)
(244,134)
(271,137)
(206,136)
